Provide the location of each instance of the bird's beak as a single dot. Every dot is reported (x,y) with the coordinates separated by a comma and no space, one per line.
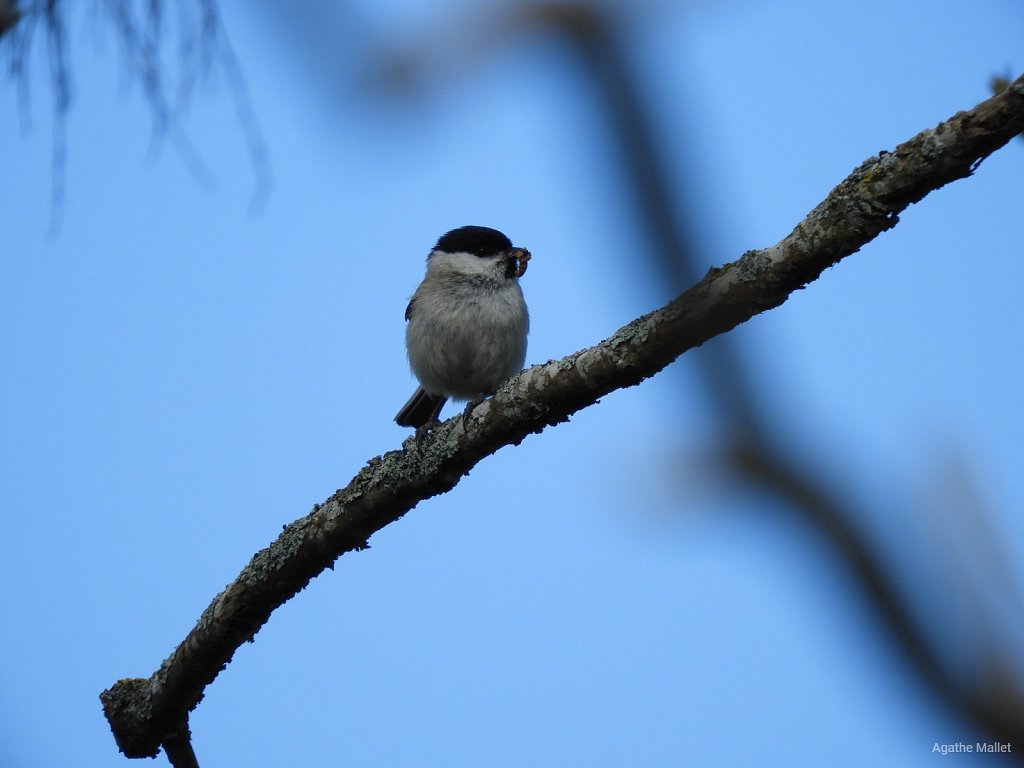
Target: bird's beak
(521,256)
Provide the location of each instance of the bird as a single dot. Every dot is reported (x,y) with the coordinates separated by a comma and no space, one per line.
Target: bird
(466,324)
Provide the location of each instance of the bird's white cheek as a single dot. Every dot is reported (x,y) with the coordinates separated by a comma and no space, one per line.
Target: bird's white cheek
(466,264)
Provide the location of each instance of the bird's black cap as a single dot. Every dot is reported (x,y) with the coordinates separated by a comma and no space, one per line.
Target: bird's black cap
(482,241)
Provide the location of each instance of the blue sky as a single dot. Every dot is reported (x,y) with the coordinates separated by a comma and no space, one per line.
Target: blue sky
(182,376)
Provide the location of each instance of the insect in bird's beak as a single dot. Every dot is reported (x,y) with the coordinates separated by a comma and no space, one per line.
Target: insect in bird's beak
(522,256)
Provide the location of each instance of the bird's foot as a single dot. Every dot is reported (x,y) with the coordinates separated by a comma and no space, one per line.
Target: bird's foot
(424,431)
(468,410)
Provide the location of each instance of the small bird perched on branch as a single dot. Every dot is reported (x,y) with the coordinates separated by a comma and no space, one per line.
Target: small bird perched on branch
(467,322)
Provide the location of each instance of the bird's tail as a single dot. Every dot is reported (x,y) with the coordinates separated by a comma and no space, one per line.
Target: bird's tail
(421,409)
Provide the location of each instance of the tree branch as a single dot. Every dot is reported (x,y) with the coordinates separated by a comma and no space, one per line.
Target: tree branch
(9,15)
(756,454)
(142,712)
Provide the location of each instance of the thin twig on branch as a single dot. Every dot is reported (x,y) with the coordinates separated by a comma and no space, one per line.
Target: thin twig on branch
(142,712)
(203,47)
